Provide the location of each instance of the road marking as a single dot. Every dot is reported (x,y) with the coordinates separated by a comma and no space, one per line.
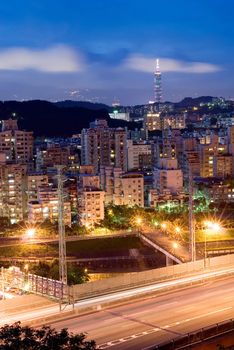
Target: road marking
(154,330)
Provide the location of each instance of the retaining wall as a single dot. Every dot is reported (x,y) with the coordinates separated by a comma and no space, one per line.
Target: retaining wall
(134,279)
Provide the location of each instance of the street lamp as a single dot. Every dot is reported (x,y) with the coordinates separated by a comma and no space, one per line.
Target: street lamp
(175,245)
(138,221)
(211,227)
(30,232)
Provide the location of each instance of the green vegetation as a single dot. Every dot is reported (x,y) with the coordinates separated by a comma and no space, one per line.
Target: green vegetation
(17,337)
(75,274)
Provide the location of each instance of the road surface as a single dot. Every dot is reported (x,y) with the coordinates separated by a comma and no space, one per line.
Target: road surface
(141,324)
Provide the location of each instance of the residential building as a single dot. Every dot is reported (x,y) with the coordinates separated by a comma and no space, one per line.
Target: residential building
(168,177)
(223,165)
(16,144)
(34,182)
(41,211)
(139,155)
(122,188)
(208,148)
(152,122)
(13,199)
(102,145)
(90,205)
(46,207)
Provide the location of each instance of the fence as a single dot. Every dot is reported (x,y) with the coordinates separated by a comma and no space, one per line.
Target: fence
(134,279)
(13,277)
(46,286)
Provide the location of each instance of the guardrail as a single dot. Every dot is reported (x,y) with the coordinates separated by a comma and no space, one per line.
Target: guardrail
(159,248)
(197,337)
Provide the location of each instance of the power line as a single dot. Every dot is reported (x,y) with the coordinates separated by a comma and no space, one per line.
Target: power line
(192,239)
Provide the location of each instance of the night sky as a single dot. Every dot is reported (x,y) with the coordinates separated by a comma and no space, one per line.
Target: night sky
(104,50)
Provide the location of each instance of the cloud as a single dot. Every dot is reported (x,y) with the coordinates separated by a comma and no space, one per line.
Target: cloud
(56,59)
(147,64)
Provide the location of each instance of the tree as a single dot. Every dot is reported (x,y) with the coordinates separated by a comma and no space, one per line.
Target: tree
(17,337)
(75,274)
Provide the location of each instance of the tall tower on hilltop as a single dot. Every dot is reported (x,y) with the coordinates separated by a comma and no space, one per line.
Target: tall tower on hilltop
(157,83)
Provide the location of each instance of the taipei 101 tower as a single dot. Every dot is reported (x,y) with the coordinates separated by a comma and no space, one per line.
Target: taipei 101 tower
(157,83)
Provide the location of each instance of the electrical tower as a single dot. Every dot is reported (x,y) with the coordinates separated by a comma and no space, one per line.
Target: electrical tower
(157,83)
(61,227)
(192,238)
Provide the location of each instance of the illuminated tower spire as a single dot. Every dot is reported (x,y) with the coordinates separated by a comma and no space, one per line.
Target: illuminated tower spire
(157,83)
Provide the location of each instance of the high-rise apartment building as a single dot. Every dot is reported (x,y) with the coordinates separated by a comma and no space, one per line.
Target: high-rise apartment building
(152,122)
(209,148)
(102,145)
(139,155)
(13,199)
(16,144)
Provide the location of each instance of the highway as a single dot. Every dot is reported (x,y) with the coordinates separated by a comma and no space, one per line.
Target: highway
(140,324)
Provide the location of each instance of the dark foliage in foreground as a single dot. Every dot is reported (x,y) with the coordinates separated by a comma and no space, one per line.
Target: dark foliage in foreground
(18,337)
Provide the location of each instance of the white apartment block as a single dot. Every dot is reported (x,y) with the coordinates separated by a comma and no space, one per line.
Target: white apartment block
(90,206)
(168,176)
(135,151)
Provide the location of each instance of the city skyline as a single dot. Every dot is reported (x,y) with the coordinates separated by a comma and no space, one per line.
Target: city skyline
(105,51)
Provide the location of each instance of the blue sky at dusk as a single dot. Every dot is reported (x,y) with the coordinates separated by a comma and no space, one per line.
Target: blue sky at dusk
(104,50)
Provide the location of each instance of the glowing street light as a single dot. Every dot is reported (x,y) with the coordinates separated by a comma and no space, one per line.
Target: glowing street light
(211,227)
(30,232)
(178,229)
(110,212)
(215,227)
(138,221)
(175,245)
(164,226)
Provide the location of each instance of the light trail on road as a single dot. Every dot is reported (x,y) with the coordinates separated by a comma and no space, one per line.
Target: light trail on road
(112,297)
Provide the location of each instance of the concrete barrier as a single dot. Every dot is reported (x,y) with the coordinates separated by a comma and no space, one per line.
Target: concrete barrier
(133,279)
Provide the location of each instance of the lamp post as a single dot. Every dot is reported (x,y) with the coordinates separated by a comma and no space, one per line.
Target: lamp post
(175,246)
(212,227)
(30,232)
(138,221)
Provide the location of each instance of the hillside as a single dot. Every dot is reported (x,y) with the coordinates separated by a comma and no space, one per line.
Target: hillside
(48,119)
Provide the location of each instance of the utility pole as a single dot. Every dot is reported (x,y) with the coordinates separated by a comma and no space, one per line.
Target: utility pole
(3,282)
(192,238)
(61,227)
